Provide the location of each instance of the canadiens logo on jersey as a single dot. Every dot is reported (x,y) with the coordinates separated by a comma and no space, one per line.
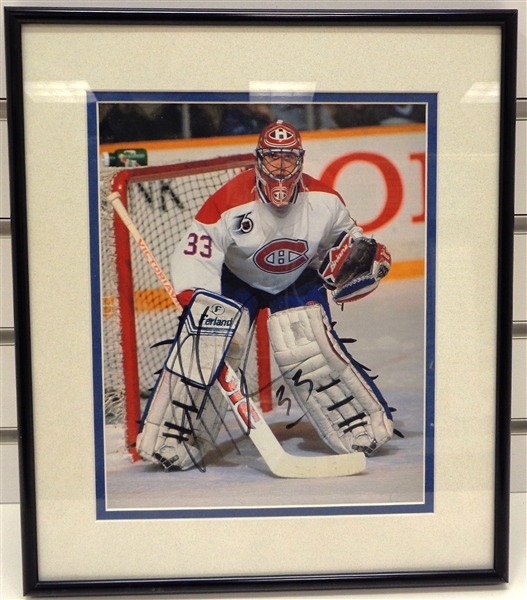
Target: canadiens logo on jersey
(282,256)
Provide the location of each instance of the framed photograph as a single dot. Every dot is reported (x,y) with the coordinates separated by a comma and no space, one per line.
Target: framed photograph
(263,278)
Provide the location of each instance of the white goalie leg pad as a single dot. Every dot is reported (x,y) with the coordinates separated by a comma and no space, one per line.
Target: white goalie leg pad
(204,336)
(181,424)
(187,408)
(238,345)
(336,395)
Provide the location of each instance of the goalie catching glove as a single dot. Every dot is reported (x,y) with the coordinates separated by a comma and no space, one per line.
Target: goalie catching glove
(353,268)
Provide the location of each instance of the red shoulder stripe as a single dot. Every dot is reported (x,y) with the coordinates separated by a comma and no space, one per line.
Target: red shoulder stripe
(239,190)
(314,185)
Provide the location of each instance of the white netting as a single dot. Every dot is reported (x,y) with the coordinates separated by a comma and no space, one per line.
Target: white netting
(162,211)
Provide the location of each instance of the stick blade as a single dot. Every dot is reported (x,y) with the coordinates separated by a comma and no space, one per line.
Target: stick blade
(280,462)
(340,465)
(283,464)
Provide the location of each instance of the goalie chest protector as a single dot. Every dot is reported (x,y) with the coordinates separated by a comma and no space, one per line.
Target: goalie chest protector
(265,247)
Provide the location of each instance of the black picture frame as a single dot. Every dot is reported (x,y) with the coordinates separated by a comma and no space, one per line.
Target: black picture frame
(29,377)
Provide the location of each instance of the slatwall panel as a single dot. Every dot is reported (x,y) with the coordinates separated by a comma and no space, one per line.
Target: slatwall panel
(8,398)
(8,448)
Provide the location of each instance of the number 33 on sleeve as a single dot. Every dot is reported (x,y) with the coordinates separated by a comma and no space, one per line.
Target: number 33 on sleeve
(199,244)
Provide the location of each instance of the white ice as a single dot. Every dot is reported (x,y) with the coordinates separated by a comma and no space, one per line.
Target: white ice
(390,330)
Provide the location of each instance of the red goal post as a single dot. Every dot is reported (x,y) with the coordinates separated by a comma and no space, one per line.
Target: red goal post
(137,312)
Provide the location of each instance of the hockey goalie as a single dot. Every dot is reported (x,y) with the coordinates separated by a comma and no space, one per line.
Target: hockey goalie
(272,237)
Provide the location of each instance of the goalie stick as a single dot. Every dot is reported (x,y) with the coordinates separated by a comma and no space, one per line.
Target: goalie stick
(281,463)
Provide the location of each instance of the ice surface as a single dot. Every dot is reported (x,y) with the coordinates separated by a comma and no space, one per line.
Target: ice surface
(390,332)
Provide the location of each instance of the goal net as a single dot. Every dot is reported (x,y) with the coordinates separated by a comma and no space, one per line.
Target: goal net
(137,311)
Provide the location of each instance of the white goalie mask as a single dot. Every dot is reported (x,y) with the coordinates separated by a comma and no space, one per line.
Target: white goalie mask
(279,160)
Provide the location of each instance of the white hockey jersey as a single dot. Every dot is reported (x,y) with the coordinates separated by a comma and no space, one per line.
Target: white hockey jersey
(264,246)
